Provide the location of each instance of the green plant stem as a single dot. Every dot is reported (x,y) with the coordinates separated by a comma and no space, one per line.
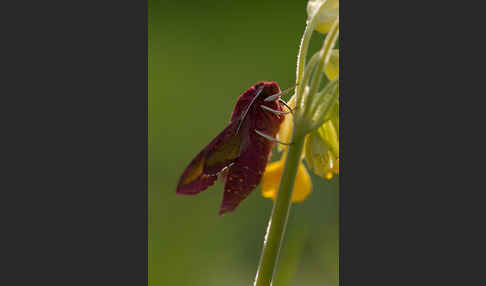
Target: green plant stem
(278,219)
(280,212)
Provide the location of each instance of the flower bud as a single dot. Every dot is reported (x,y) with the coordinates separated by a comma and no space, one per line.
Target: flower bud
(322,150)
(332,67)
(326,15)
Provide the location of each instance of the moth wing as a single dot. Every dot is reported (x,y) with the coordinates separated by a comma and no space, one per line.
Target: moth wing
(246,173)
(203,170)
(225,149)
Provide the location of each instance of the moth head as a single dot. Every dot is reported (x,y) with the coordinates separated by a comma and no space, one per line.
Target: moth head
(270,91)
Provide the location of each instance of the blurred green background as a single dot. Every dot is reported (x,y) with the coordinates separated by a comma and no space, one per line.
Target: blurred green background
(202,56)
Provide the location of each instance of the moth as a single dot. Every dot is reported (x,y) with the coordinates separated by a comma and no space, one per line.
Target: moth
(239,154)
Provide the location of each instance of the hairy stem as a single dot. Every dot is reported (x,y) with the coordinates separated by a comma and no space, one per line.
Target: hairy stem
(303,48)
(280,212)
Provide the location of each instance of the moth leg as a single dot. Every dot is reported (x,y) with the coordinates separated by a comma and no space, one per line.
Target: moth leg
(286,105)
(270,138)
(272,97)
(275,96)
(273,110)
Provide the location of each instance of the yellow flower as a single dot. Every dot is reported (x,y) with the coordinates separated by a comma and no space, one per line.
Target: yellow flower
(322,150)
(327,14)
(271,181)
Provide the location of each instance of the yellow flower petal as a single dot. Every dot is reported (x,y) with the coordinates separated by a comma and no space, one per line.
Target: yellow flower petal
(271,181)
(285,132)
(332,67)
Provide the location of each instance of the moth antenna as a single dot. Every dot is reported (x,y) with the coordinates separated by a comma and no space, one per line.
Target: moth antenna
(271,138)
(259,91)
(275,96)
(273,110)
(286,105)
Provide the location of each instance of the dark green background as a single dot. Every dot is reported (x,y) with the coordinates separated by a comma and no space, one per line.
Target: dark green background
(202,56)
